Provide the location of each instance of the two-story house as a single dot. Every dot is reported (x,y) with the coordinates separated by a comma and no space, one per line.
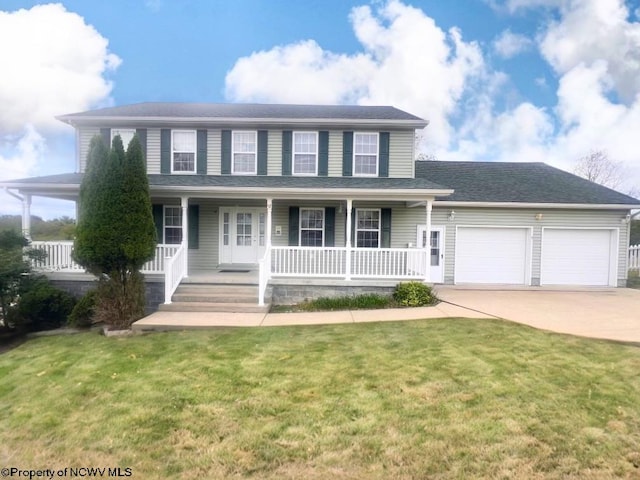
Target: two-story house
(315,196)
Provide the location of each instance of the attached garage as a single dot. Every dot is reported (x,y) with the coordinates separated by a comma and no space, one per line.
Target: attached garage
(498,255)
(579,257)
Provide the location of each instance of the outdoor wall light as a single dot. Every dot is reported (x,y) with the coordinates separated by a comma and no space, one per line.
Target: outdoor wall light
(538,216)
(452,215)
(626,218)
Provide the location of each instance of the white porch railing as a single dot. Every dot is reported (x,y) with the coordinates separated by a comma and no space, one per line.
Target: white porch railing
(634,257)
(264,274)
(391,263)
(58,257)
(174,272)
(308,261)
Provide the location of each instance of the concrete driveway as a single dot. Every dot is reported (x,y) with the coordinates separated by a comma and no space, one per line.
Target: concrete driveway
(612,313)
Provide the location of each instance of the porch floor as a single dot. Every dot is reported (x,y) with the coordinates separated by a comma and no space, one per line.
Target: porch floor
(160,321)
(238,274)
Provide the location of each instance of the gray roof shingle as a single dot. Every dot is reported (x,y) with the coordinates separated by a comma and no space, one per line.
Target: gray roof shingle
(516,182)
(250,181)
(246,111)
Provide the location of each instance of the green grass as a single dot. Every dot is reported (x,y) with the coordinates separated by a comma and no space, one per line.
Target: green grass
(425,399)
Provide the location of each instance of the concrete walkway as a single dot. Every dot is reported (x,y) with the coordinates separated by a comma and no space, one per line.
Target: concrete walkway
(608,313)
(193,320)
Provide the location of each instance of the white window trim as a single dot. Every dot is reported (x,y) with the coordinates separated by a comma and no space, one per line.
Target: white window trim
(353,164)
(324,223)
(119,131)
(164,222)
(195,152)
(233,153)
(356,229)
(293,155)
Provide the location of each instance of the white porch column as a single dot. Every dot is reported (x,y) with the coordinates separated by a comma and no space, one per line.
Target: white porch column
(26,216)
(427,247)
(267,232)
(184,203)
(348,240)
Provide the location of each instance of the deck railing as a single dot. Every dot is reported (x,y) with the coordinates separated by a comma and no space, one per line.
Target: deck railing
(391,263)
(634,257)
(174,271)
(58,257)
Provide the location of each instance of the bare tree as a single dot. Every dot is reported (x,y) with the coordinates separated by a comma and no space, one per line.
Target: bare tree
(420,155)
(599,168)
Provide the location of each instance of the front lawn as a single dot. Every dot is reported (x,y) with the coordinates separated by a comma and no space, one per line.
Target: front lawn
(426,399)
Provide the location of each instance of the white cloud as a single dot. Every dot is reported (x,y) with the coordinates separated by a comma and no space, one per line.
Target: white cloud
(406,61)
(53,63)
(57,66)
(509,44)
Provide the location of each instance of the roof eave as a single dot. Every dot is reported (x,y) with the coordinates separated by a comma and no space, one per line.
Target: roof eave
(75,120)
(554,205)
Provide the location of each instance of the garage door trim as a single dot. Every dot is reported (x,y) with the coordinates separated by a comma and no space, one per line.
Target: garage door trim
(528,261)
(614,246)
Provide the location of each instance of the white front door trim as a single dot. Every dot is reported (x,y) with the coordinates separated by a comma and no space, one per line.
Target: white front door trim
(437,271)
(249,254)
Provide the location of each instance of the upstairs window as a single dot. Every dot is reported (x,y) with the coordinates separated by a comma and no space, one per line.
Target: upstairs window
(311,227)
(244,158)
(367,228)
(365,154)
(183,151)
(305,153)
(126,134)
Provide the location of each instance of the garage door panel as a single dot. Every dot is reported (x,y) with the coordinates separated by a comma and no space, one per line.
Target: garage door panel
(491,255)
(576,257)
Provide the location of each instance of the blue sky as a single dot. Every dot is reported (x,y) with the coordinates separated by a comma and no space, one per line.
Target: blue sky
(510,80)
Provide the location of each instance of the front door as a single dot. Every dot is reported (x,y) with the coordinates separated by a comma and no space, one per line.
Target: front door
(242,234)
(436,251)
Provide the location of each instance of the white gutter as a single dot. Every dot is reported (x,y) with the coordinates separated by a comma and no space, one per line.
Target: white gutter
(585,206)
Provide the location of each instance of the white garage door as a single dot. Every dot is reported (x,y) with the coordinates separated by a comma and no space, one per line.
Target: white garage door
(577,257)
(492,255)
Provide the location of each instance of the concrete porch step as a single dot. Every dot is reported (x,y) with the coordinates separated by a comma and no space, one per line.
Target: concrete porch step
(216,297)
(214,307)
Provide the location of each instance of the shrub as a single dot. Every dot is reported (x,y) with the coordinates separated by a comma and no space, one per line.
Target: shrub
(413,294)
(364,301)
(41,306)
(82,314)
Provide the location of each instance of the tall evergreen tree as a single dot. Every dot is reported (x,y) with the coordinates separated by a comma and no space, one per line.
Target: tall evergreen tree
(116,233)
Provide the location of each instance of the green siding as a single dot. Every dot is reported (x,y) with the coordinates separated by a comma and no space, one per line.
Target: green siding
(335,153)
(401,144)
(274,153)
(85,134)
(214,157)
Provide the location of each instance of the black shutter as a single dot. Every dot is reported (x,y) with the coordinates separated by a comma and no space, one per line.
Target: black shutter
(294,226)
(142,136)
(165,150)
(383,155)
(347,154)
(323,154)
(330,227)
(353,227)
(105,133)
(201,152)
(226,152)
(193,224)
(286,152)
(158,220)
(386,228)
(263,139)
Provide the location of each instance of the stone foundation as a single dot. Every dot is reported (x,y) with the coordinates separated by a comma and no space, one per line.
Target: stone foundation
(79,284)
(290,293)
